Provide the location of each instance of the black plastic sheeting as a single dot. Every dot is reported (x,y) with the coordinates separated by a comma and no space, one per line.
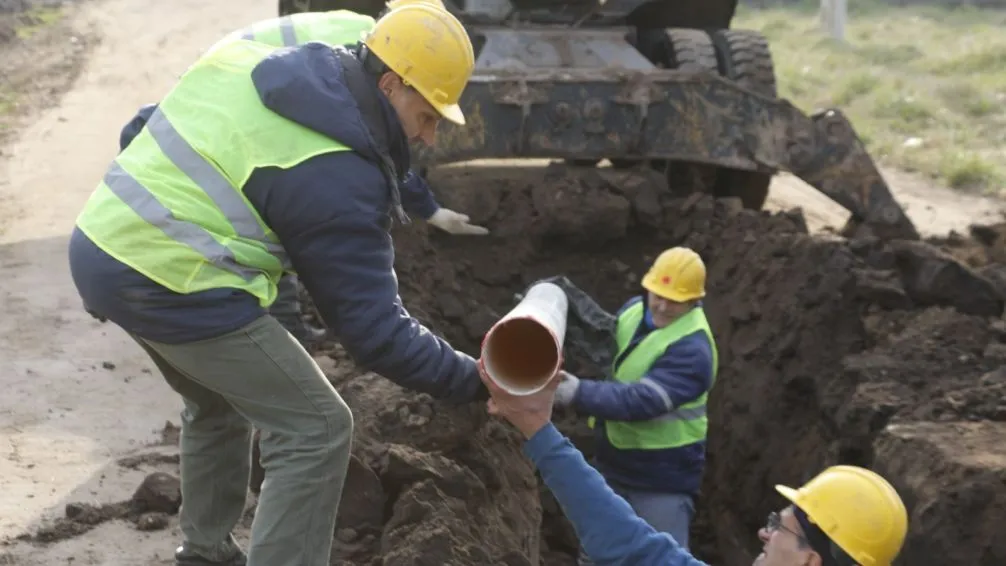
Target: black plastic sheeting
(589,328)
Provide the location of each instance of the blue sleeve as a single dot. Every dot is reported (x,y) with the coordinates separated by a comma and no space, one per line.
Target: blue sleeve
(609,530)
(135,126)
(331,213)
(679,376)
(417,198)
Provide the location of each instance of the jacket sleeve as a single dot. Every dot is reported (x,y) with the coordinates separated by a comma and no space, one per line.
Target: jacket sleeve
(133,128)
(609,530)
(417,198)
(679,376)
(331,214)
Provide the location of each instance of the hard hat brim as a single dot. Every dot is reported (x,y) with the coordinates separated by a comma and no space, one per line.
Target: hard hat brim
(452,112)
(788,493)
(677,298)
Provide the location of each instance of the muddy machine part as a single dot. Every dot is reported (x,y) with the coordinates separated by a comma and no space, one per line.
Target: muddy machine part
(663,84)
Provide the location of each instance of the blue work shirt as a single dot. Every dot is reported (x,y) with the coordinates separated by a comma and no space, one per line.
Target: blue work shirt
(609,530)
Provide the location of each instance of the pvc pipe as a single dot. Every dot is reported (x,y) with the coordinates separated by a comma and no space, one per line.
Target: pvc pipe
(522,352)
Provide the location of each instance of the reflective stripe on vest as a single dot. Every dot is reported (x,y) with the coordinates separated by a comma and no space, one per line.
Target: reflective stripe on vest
(680,426)
(286,32)
(336,27)
(214,184)
(147,207)
(171,205)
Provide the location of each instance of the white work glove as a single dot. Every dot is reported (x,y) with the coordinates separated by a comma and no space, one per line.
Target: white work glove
(567,389)
(455,223)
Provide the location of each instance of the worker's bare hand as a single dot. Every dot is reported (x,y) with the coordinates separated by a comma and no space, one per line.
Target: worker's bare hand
(529,413)
(456,223)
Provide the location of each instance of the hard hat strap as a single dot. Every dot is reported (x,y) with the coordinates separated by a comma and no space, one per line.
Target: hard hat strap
(830,553)
(372,64)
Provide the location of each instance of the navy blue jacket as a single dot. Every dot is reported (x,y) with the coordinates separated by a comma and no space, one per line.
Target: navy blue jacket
(608,529)
(332,213)
(685,372)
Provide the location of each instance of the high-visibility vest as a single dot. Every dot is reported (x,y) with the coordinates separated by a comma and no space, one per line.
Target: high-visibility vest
(684,425)
(337,27)
(172,206)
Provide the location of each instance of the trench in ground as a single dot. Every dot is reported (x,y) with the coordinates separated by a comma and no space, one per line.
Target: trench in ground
(830,352)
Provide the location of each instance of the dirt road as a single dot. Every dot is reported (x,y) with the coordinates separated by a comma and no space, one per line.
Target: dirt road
(79,395)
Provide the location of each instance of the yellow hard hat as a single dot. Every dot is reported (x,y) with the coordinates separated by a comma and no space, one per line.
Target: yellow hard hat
(392,4)
(430,49)
(858,510)
(678,274)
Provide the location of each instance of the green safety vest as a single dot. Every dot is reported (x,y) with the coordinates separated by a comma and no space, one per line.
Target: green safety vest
(684,425)
(337,27)
(172,206)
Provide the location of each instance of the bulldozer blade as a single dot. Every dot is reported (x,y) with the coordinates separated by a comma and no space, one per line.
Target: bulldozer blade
(663,114)
(835,161)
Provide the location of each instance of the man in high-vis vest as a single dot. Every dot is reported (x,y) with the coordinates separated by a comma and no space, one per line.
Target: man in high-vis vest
(650,417)
(337,27)
(262,161)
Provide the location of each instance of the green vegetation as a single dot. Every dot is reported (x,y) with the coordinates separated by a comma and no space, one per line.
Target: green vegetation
(14,79)
(7,105)
(925,87)
(35,20)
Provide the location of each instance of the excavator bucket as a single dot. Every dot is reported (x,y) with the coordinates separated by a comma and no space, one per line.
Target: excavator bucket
(660,84)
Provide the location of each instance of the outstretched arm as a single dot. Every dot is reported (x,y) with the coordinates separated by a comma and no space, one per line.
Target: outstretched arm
(609,530)
(417,198)
(337,238)
(680,376)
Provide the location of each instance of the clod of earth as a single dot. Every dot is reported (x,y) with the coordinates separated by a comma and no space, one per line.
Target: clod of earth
(159,493)
(158,496)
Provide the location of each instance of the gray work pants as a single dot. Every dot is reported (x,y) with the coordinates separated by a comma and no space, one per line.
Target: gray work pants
(669,513)
(258,375)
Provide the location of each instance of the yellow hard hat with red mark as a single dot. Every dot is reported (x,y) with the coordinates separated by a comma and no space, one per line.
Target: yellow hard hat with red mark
(678,274)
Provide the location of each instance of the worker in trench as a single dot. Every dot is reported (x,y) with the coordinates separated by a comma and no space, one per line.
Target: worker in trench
(262,161)
(650,417)
(337,27)
(845,516)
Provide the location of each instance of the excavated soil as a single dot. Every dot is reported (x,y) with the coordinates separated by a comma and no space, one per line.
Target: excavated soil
(889,356)
(882,355)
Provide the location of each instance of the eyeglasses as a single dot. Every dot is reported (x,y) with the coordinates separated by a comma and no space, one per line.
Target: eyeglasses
(774,523)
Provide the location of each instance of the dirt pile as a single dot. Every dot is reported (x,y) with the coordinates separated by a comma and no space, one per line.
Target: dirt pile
(889,356)
(886,356)
(431,484)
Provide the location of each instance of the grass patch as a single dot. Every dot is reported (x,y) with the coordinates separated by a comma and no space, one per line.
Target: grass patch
(925,86)
(7,102)
(35,20)
(41,50)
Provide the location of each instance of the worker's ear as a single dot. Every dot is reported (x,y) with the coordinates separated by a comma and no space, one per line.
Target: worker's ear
(813,559)
(389,83)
